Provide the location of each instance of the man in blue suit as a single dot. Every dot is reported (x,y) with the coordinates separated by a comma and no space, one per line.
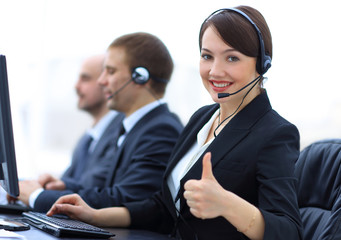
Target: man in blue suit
(86,170)
(89,170)
(136,72)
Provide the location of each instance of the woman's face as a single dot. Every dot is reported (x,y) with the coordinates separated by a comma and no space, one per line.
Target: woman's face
(224,69)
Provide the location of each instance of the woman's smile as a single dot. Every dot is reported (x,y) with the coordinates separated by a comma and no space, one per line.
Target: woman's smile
(220,86)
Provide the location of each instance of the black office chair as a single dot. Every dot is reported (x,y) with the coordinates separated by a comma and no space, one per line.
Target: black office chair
(318,170)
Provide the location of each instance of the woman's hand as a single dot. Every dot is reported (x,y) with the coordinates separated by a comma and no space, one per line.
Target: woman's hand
(206,197)
(75,207)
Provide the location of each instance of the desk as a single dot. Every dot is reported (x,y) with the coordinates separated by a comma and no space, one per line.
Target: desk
(121,233)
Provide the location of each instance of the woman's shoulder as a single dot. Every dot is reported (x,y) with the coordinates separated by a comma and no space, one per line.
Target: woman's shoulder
(205,109)
(273,124)
(274,117)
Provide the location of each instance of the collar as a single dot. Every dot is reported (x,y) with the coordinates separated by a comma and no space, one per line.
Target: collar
(203,133)
(129,122)
(97,131)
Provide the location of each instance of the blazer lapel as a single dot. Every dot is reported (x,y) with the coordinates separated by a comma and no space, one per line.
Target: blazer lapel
(185,141)
(233,133)
(108,139)
(231,137)
(130,135)
(188,137)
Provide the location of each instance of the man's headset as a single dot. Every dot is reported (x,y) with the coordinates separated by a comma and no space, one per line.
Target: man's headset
(139,75)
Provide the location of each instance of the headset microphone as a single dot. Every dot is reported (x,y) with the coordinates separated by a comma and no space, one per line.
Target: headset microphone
(120,89)
(224,95)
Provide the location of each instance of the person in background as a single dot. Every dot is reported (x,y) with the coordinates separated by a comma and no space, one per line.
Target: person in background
(98,139)
(93,152)
(136,72)
(231,174)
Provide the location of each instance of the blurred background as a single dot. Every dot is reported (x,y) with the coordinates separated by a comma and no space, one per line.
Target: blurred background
(45,42)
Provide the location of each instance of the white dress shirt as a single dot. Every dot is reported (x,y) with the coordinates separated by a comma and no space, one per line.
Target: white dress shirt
(190,158)
(129,122)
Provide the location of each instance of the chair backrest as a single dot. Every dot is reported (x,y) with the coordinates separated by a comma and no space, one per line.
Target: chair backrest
(318,170)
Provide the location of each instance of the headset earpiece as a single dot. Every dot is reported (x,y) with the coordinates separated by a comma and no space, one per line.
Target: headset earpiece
(140,75)
(266,63)
(263,60)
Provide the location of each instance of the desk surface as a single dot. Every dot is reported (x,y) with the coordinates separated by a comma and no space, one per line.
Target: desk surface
(121,233)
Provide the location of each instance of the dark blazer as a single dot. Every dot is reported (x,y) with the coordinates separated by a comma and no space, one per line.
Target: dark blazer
(253,156)
(97,165)
(137,166)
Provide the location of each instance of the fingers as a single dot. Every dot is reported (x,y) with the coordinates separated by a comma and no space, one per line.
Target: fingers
(67,209)
(55,185)
(206,173)
(11,199)
(196,213)
(70,199)
(196,208)
(44,179)
(57,207)
(51,186)
(198,193)
(207,167)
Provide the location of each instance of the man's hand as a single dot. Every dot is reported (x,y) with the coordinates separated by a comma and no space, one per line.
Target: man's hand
(26,188)
(51,183)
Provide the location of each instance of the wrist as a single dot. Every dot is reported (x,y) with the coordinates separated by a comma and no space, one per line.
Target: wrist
(251,223)
(229,206)
(33,197)
(96,217)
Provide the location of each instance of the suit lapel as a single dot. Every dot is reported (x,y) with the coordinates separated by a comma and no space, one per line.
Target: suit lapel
(185,142)
(232,134)
(188,137)
(131,134)
(108,139)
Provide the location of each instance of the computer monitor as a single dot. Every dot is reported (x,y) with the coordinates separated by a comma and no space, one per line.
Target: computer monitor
(8,166)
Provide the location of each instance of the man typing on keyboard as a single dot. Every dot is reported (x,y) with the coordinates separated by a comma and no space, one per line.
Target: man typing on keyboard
(136,71)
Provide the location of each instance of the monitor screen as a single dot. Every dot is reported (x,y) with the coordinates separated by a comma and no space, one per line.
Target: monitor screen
(8,166)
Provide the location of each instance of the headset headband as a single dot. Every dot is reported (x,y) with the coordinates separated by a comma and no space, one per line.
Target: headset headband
(263,60)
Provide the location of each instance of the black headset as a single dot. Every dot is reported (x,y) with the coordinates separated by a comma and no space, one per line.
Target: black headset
(140,75)
(263,60)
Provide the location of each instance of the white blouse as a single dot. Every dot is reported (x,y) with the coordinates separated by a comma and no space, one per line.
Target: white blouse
(190,158)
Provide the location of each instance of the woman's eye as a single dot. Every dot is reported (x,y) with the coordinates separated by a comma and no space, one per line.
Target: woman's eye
(232,59)
(206,56)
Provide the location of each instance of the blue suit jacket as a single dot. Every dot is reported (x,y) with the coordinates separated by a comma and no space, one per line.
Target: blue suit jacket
(253,156)
(96,168)
(137,166)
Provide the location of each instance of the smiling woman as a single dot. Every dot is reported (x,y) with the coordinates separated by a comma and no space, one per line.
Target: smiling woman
(224,69)
(224,177)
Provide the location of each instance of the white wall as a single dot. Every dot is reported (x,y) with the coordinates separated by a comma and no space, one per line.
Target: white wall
(45,40)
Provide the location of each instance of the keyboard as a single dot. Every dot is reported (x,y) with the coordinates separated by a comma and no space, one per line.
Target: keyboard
(62,226)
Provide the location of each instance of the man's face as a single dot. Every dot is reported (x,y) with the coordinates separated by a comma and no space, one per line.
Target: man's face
(115,75)
(90,94)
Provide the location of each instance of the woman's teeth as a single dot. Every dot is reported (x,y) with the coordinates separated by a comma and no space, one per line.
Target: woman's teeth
(221,85)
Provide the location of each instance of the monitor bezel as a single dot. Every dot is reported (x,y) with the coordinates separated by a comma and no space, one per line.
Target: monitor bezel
(8,166)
